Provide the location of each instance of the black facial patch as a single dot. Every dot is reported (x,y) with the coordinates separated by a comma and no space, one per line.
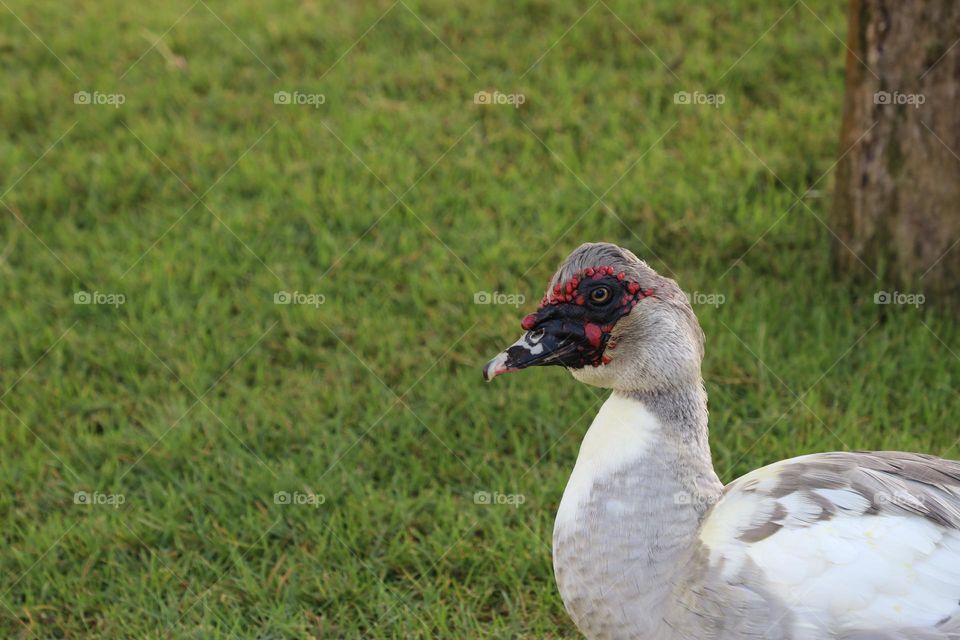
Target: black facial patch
(577,317)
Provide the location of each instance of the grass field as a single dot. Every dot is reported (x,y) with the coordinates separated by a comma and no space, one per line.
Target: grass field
(196,461)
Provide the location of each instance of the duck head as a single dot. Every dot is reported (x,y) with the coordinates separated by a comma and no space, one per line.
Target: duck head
(612,321)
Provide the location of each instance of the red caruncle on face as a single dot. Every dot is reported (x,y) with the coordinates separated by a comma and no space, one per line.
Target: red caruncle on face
(585,308)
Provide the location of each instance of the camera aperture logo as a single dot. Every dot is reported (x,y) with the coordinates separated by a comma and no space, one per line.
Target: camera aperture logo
(296,297)
(899,297)
(496,97)
(299,98)
(99,297)
(498,498)
(96,98)
(299,498)
(97,498)
(912,99)
(485,297)
(699,98)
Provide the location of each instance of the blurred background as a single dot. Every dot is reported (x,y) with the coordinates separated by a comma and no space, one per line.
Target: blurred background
(254,255)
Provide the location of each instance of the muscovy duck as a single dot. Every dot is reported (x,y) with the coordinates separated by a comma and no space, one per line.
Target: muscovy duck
(649,544)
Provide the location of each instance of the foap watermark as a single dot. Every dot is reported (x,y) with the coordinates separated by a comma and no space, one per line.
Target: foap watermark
(496,97)
(299,498)
(699,98)
(684,497)
(299,98)
(498,498)
(96,498)
(99,297)
(96,98)
(497,297)
(704,298)
(899,297)
(913,99)
(903,499)
(297,297)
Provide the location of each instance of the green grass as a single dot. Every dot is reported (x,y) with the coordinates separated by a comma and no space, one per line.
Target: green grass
(199,398)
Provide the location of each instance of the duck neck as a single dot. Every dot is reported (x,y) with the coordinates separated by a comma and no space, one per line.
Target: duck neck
(682,416)
(632,508)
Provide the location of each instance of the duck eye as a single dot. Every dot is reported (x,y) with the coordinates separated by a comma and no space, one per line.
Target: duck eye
(600,295)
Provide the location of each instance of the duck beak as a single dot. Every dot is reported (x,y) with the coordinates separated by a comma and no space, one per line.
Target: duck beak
(534,348)
(499,364)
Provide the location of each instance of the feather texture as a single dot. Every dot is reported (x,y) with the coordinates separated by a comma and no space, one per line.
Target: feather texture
(851,542)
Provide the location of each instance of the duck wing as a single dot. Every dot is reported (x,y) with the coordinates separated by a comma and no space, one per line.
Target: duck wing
(855,545)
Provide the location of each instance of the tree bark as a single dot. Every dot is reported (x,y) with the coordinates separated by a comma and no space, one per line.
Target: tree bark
(897,194)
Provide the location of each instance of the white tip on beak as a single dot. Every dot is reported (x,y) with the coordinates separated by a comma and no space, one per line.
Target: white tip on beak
(496,367)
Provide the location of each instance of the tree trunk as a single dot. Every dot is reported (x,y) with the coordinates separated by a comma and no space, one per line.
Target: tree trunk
(897,194)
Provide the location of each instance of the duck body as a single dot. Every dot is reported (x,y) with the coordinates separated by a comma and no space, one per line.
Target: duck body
(648,543)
